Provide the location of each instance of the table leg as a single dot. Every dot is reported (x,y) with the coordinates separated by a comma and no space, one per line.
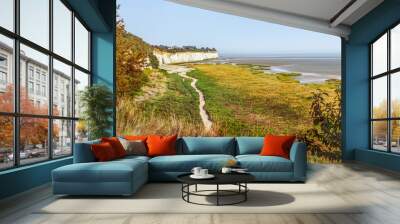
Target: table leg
(195,188)
(245,193)
(217,194)
(188,190)
(182,189)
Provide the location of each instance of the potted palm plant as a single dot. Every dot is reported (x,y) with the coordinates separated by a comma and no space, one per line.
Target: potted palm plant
(96,102)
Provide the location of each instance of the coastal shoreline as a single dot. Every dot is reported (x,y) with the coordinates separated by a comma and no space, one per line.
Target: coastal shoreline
(304,77)
(310,69)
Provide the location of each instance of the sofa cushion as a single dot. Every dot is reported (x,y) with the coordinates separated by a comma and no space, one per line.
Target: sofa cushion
(142,138)
(275,145)
(207,145)
(116,145)
(83,152)
(257,163)
(103,152)
(161,145)
(112,171)
(249,145)
(185,163)
(134,147)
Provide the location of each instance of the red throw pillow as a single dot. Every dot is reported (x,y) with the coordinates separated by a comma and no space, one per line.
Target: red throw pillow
(135,138)
(161,145)
(116,145)
(277,145)
(103,152)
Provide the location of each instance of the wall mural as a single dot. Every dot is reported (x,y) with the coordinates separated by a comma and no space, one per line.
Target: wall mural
(194,91)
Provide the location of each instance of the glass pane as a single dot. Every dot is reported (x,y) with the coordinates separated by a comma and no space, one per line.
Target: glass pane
(35,21)
(62,89)
(379,135)
(395,136)
(81,82)
(395,47)
(395,94)
(6,75)
(81,131)
(379,55)
(33,140)
(62,138)
(6,142)
(7,14)
(34,97)
(379,97)
(62,28)
(81,45)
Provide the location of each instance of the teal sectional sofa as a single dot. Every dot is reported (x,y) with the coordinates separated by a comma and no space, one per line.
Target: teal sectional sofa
(125,176)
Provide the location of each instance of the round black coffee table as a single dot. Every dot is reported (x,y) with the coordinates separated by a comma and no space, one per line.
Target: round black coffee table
(238,179)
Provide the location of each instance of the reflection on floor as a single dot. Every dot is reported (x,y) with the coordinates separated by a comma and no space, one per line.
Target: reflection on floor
(378,190)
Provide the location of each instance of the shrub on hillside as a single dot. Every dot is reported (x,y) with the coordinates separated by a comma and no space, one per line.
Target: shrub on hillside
(324,138)
(132,55)
(154,63)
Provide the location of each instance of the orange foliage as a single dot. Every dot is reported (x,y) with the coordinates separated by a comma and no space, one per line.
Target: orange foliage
(131,55)
(33,130)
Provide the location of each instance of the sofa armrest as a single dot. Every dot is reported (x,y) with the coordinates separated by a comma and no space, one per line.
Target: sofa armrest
(298,155)
(83,152)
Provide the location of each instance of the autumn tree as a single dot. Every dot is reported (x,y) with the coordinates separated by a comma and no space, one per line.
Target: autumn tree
(379,128)
(33,131)
(132,56)
(6,122)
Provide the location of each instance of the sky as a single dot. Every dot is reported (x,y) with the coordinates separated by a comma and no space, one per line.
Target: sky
(162,22)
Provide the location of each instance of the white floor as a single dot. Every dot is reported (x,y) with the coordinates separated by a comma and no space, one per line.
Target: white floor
(377,190)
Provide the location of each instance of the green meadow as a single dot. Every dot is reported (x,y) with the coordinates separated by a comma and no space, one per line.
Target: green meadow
(241,100)
(166,104)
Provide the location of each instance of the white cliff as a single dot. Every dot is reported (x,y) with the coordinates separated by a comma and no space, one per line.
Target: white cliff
(181,57)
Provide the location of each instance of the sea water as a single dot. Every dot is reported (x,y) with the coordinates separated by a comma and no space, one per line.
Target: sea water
(311,69)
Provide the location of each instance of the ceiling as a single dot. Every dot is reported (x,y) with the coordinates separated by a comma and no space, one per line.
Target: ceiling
(333,17)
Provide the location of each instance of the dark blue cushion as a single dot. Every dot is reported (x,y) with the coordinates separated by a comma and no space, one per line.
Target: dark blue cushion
(257,163)
(83,153)
(249,145)
(207,145)
(185,163)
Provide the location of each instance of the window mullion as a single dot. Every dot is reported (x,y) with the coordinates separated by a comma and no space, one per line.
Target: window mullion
(50,81)
(73,81)
(389,104)
(371,142)
(16,70)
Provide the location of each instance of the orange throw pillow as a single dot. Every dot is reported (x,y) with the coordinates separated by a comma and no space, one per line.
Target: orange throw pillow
(161,145)
(277,145)
(116,145)
(103,152)
(135,138)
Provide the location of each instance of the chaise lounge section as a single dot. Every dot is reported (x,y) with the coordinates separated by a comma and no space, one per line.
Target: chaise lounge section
(87,177)
(125,176)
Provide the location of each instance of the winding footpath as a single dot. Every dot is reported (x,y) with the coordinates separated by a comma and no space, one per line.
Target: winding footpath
(182,71)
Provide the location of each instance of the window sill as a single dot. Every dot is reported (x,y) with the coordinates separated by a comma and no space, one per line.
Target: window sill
(377,158)
(382,151)
(25,167)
